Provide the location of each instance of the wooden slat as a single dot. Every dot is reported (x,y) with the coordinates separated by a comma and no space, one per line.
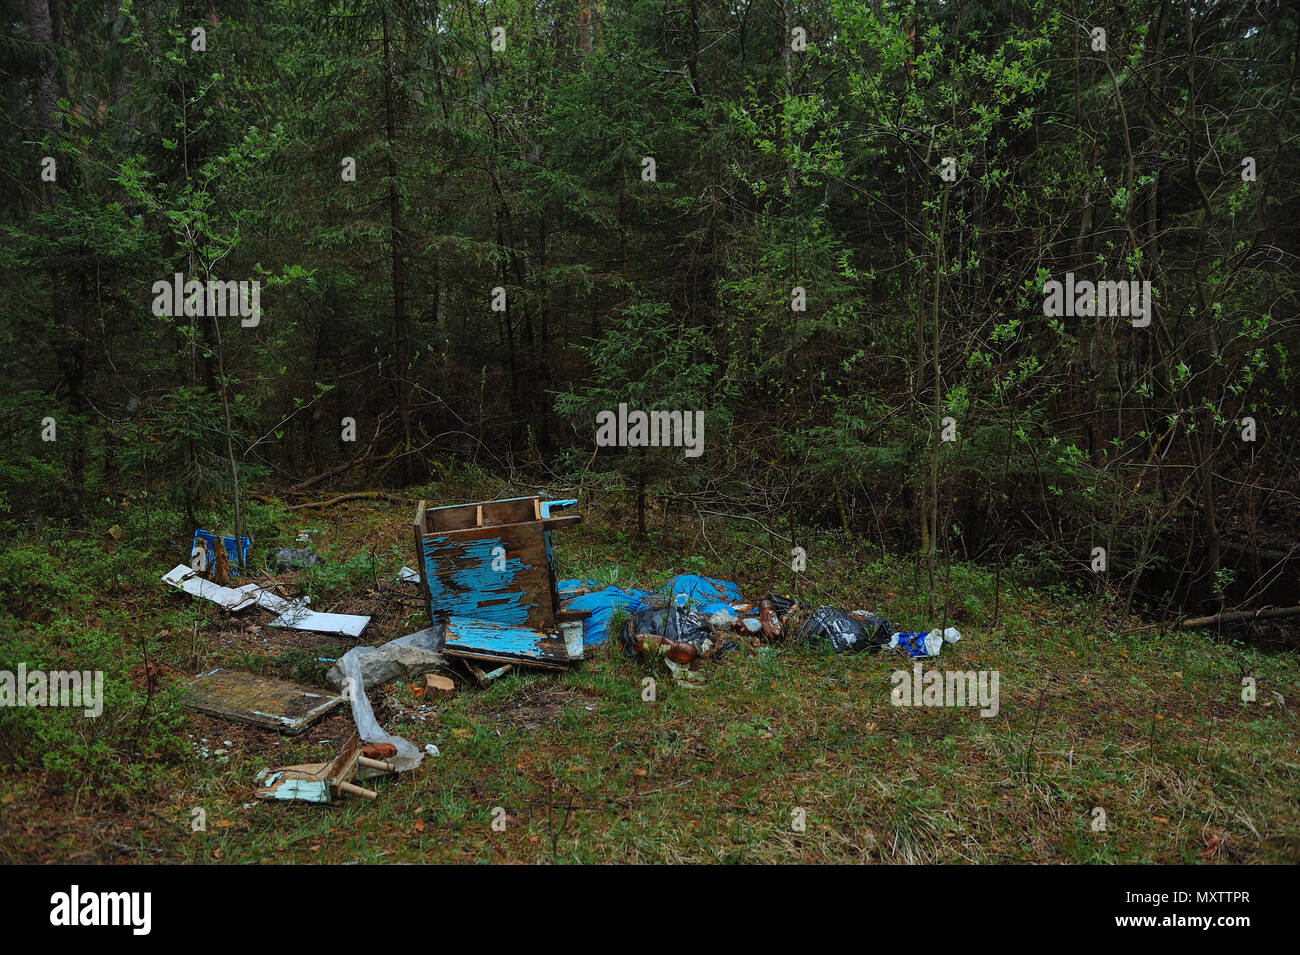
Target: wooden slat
(461,516)
(490,529)
(451,518)
(484,640)
(512,511)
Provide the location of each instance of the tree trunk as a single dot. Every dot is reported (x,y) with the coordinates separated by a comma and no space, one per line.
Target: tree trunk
(401,331)
(69,338)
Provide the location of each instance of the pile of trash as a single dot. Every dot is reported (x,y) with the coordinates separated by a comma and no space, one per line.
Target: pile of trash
(486,576)
(692,618)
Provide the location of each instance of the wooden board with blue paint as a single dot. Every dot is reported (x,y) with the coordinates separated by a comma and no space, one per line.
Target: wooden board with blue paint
(487,640)
(487,570)
(490,561)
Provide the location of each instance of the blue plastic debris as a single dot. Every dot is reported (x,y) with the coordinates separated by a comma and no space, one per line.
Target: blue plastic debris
(708,595)
(209,541)
(595,629)
(572,587)
(926,644)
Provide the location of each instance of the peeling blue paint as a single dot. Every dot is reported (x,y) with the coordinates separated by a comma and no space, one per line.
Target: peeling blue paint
(475,589)
(483,635)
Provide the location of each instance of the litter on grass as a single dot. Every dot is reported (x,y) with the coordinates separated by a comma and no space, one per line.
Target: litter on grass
(294,614)
(260,700)
(486,573)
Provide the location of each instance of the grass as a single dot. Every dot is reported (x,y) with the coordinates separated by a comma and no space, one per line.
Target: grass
(788,756)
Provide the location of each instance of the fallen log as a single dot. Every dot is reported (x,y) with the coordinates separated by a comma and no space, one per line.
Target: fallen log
(357,461)
(352,496)
(1237,616)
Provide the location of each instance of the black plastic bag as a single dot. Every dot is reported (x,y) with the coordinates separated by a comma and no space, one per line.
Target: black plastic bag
(783,605)
(675,623)
(846,633)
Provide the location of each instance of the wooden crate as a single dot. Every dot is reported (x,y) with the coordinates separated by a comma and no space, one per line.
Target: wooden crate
(490,561)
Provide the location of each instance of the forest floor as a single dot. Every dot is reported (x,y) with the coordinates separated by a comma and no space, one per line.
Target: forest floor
(1101,717)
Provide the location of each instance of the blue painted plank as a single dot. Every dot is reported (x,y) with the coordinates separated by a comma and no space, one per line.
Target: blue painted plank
(474,588)
(470,637)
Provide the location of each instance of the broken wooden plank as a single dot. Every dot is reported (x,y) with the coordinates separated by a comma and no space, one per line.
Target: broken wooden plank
(571,633)
(485,678)
(343,767)
(504,643)
(305,782)
(260,700)
(492,563)
(324,782)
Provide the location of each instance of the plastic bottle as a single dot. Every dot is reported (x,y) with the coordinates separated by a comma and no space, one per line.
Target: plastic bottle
(926,644)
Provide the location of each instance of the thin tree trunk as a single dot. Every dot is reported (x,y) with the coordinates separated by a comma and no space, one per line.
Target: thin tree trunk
(401,332)
(69,338)
(938,399)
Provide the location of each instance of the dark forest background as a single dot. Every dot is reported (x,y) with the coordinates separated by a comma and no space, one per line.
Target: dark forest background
(522,165)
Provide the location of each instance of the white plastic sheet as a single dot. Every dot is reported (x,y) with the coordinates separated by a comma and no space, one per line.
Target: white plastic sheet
(351,671)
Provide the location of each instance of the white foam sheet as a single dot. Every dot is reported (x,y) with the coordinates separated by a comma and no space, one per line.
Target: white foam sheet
(293,614)
(298,617)
(186,578)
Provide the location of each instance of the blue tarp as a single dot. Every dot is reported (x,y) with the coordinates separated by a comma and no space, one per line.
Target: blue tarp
(573,585)
(595,629)
(704,594)
(708,595)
